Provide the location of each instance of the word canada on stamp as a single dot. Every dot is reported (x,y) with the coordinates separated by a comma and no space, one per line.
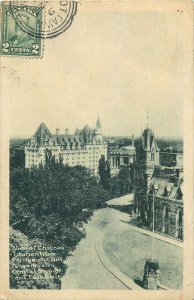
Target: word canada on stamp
(14,40)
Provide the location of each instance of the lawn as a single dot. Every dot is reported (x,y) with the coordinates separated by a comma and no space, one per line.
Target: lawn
(128,251)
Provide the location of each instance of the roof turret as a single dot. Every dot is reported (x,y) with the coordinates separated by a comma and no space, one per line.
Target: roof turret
(98,123)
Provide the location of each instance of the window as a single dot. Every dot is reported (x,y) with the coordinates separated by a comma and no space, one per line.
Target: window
(126,160)
(179,224)
(166,219)
(152,154)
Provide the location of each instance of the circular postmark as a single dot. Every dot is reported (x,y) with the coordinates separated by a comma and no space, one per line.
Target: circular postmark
(56,16)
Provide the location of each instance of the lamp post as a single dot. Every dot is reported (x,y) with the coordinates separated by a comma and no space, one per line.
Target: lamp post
(174,164)
(151,278)
(153,220)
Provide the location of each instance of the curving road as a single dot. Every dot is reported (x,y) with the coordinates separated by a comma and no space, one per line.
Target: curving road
(85,270)
(125,248)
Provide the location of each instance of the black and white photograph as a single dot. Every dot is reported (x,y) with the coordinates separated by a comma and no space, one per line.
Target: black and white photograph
(97,131)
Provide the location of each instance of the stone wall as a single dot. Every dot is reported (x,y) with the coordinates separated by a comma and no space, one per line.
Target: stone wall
(171,221)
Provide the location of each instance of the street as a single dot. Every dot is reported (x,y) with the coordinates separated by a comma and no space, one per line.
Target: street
(125,248)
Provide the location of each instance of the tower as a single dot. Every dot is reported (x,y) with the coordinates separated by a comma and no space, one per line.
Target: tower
(98,131)
(98,123)
(132,141)
(146,160)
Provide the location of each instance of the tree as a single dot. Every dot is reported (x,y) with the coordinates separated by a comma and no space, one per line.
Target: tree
(125,181)
(122,184)
(104,171)
(51,203)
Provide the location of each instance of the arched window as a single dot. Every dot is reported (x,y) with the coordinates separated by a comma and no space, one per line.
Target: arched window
(179,223)
(166,219)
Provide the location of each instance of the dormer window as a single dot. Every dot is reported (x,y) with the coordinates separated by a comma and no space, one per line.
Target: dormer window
(155,188)
(152,154)
(179,194)
(167,191)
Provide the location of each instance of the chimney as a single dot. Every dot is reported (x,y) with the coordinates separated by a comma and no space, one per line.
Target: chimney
(57,131)
(66,131)
(132,140)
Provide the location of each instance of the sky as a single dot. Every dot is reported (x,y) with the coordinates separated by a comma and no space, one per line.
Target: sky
(111,64)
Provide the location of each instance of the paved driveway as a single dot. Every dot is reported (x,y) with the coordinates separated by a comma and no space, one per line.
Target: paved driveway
(126,249)
(85,271)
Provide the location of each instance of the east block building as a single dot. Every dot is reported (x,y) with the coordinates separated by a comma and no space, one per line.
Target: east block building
(84,148)
(157,187)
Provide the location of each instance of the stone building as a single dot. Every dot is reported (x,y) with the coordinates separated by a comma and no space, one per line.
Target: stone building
(171,159)
(125,156)
(168,201)
(158,187)
(84,148)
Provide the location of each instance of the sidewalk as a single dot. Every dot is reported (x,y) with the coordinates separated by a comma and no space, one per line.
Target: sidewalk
(127,247)
(157,235)
(127,219)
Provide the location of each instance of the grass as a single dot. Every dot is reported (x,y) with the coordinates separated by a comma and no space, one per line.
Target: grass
(128,252)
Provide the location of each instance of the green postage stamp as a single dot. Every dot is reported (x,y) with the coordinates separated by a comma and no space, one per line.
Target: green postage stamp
(15,40)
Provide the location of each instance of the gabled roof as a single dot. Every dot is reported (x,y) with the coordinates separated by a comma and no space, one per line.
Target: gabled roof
(147,141)
(168,186)
(42,134)
(78,131)
(42,129)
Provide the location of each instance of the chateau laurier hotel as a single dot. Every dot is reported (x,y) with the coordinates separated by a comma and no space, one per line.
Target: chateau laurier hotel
(84,148)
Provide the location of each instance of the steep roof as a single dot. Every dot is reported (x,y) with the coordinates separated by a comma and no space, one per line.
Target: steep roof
(68,140)
(42,134)
(147,141)
(167,184)
(81,137)
(78,131)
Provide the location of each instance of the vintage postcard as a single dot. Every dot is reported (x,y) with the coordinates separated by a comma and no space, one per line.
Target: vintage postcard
(96,149)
